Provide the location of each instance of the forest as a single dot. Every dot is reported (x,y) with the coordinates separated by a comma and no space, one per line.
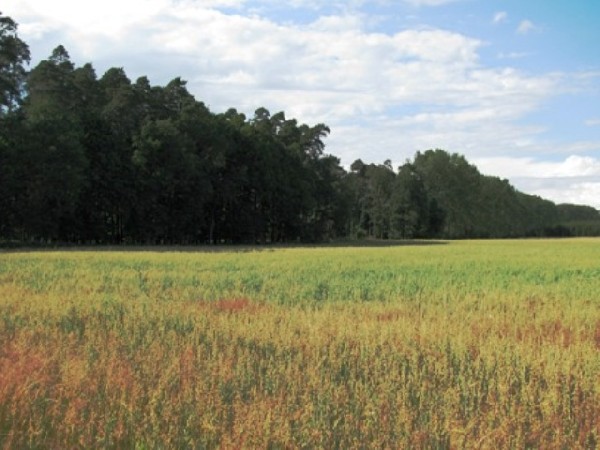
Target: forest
(88,159)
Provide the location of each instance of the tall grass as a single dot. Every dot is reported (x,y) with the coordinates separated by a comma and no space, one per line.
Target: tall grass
(491,344)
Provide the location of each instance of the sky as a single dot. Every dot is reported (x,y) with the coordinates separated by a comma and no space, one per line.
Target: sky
(513,85)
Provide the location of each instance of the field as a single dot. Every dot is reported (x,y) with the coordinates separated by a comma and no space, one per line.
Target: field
(475,345)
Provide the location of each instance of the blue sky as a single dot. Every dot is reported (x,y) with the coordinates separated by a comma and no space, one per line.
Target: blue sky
(512,85)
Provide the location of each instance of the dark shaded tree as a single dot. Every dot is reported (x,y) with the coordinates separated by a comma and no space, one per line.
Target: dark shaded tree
(106,160)
(14,57)
(410,204)
(54,147)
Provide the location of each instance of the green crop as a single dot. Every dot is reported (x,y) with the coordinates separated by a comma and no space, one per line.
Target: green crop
(480,344)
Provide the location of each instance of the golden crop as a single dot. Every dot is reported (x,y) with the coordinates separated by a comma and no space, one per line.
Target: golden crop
(484,344)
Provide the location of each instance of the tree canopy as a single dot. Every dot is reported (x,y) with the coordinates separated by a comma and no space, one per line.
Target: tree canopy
(88,159)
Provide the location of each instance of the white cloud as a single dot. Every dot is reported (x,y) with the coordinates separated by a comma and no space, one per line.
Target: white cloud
(359,70)
(331,70)
(576,179)
(513,55)
(586,193)
(385,95)
(526,26)
(566,191)
(574,166)
(500,17)
(430,2)
(107,17)
(592,122)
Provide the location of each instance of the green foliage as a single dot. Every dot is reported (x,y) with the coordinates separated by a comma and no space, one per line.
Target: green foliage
(104,160)
(14,55)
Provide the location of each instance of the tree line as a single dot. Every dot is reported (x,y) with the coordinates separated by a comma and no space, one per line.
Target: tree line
(88,159)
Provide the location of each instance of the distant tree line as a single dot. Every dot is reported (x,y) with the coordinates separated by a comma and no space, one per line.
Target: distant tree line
(107,160)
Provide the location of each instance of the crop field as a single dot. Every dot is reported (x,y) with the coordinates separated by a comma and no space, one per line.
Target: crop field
(468,344)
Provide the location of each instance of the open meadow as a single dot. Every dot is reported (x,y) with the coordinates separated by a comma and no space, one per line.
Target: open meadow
(465,344)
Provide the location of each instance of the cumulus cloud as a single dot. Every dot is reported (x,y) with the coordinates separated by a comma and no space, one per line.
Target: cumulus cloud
(526,27)
(575,179)
(574,166)
(108,17)
(564,190)
(500,17)
(330,69)
(385,95)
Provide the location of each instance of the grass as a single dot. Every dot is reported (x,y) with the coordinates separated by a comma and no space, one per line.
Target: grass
(480,344)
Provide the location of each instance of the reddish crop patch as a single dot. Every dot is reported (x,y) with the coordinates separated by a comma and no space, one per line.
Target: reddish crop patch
(227,305)
(388,316)
(235,305)
(18,364)
(557,333)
